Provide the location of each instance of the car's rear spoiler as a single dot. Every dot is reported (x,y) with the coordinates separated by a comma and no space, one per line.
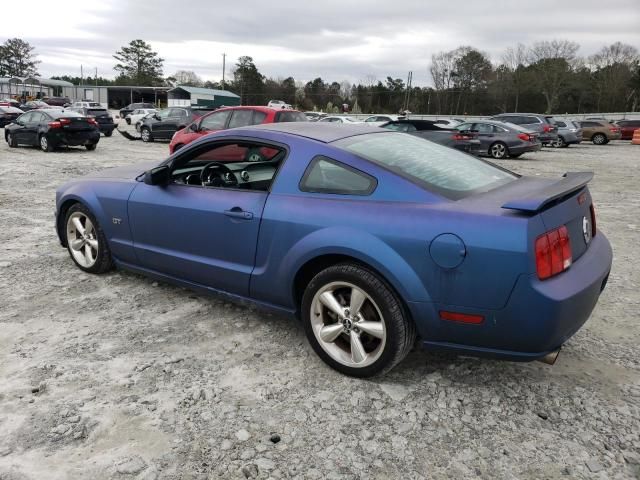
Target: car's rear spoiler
(536,201)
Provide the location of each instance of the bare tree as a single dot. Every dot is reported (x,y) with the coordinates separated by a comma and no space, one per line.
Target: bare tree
(186,77)
(515,60)
(442,71)
(553,62)
(612,69)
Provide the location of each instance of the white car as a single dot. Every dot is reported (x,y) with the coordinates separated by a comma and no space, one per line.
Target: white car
(339,119)
(86,105)
(377,120)
(448,122)
(279,104)
(138,114)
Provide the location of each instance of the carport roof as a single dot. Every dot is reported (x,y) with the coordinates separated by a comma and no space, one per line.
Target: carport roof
(206,91)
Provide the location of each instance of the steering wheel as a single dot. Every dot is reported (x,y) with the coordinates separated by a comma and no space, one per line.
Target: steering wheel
(222,176)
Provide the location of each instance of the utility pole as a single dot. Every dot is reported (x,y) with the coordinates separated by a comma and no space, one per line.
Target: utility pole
(96,76)
(81,75)
(224,58)
(408,94)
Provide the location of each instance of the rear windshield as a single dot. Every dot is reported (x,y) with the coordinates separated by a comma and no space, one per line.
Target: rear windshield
(288,116)
(97,112)
(64,114)
(437,168)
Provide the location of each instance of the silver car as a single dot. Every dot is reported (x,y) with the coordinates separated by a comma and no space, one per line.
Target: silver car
(569,133)
(542,124)
(502,140)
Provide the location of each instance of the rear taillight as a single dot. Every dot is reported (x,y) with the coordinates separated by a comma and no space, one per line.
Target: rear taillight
(593,220)
(92,121)
(546,128)
(461,136)
(553,252)
(59,123)
(524,137)
(614,129)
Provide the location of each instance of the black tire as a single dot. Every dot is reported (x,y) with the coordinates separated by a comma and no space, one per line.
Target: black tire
(104,262)
(560,143)
(498,150)
(45,144)
(108,133)
(515,155)
(145,133)
(128,120)
(400,329)
(91,147)
(599,139)
(11,140)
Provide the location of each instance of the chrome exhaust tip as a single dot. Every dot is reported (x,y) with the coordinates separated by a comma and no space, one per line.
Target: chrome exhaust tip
(550,358)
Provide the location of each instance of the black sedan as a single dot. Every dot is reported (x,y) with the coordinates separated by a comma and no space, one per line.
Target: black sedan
(164,123)
(465,141)
(8,115)
(51,128)
(105,121)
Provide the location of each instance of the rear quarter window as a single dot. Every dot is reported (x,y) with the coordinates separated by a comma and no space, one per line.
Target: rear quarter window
(436,168)
(325,175)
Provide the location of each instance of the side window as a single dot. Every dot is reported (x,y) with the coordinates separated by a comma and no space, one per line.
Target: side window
(560,123)
(215,121)
(258,117)
(177,113)
(324,175)
(529,120)
(483,127)
(372,119)
(237,165)
(163,114)
(589,124)
(241,118)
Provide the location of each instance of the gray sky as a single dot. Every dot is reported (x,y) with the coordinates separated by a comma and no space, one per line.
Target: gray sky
(333,39)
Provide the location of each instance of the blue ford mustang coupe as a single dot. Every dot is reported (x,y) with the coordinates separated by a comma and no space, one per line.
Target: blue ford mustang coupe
(370,237)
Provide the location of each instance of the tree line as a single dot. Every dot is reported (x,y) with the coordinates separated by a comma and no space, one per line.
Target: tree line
(547,76)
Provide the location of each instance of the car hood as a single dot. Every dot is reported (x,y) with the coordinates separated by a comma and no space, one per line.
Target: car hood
(128,172)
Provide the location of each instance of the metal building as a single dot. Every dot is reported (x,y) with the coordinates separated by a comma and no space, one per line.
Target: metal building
(185,96)
(31,87)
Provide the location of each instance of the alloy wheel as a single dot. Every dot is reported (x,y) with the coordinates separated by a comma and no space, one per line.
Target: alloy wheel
(498,150)
(145,134)
(83,239)
(44,144)
(348,324)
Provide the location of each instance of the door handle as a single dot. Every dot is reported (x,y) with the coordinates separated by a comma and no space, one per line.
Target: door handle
(237,212)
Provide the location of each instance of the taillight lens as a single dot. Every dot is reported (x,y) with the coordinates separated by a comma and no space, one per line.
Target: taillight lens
(524,137)
(461,136)
(593,220)
(546,128)
(614,129)
(55,124)
(92,121)
(553,252)
(59,123)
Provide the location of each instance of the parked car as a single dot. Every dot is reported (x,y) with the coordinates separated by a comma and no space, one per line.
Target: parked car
(57,101)
(52,128)
(8,115)
(501,140)
(133,117)
(34,104)
(281,104)
(600,132)
(569,133)
(339,119)
(138,124)
(133,106)
(627,127)
(105,121)
(542,124)
(368,236)
(9,102)
(379,120)
(164,123)
(314,116)
(232,117)
(464,141)
(86,104)
(448,122)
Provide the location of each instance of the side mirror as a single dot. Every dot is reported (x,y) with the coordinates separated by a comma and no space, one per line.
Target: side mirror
(156,116)
(194,127)
(158,175)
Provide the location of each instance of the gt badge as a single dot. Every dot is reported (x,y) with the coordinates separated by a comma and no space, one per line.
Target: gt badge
(116,220)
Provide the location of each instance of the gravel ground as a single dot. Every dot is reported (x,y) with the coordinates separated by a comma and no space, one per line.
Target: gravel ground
(117,376)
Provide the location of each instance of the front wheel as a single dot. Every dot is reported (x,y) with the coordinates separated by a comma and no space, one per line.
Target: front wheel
(498,150)
(599,139)
(86,241)
(128,120)
(559,143)
(145,133)
(108,133)
(355,322)
(91,147)
(11,140)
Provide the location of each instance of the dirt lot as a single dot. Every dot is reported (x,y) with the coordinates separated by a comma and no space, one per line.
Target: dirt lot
(117,376)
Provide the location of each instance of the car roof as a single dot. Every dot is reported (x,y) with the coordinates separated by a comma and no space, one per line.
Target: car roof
(321,132)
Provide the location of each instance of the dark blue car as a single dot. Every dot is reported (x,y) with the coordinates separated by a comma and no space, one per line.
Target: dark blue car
(370,237)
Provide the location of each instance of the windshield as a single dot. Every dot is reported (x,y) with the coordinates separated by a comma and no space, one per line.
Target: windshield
(437,168)
(291,116)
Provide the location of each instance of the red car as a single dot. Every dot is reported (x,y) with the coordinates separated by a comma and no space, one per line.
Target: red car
(232,117)
(627,127)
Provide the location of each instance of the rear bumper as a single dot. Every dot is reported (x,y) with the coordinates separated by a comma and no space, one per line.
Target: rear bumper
(524,148)
(538,318)
(106,127)
(548,137)
(74,138)
(571,137)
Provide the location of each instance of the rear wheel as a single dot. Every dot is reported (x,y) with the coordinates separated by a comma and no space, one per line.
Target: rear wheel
(559,143)
(355,322)
(45,144)
(108,133)
(145,133)
(91,146)
(86,241)
(599,139)
(128,120)
(498,150)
